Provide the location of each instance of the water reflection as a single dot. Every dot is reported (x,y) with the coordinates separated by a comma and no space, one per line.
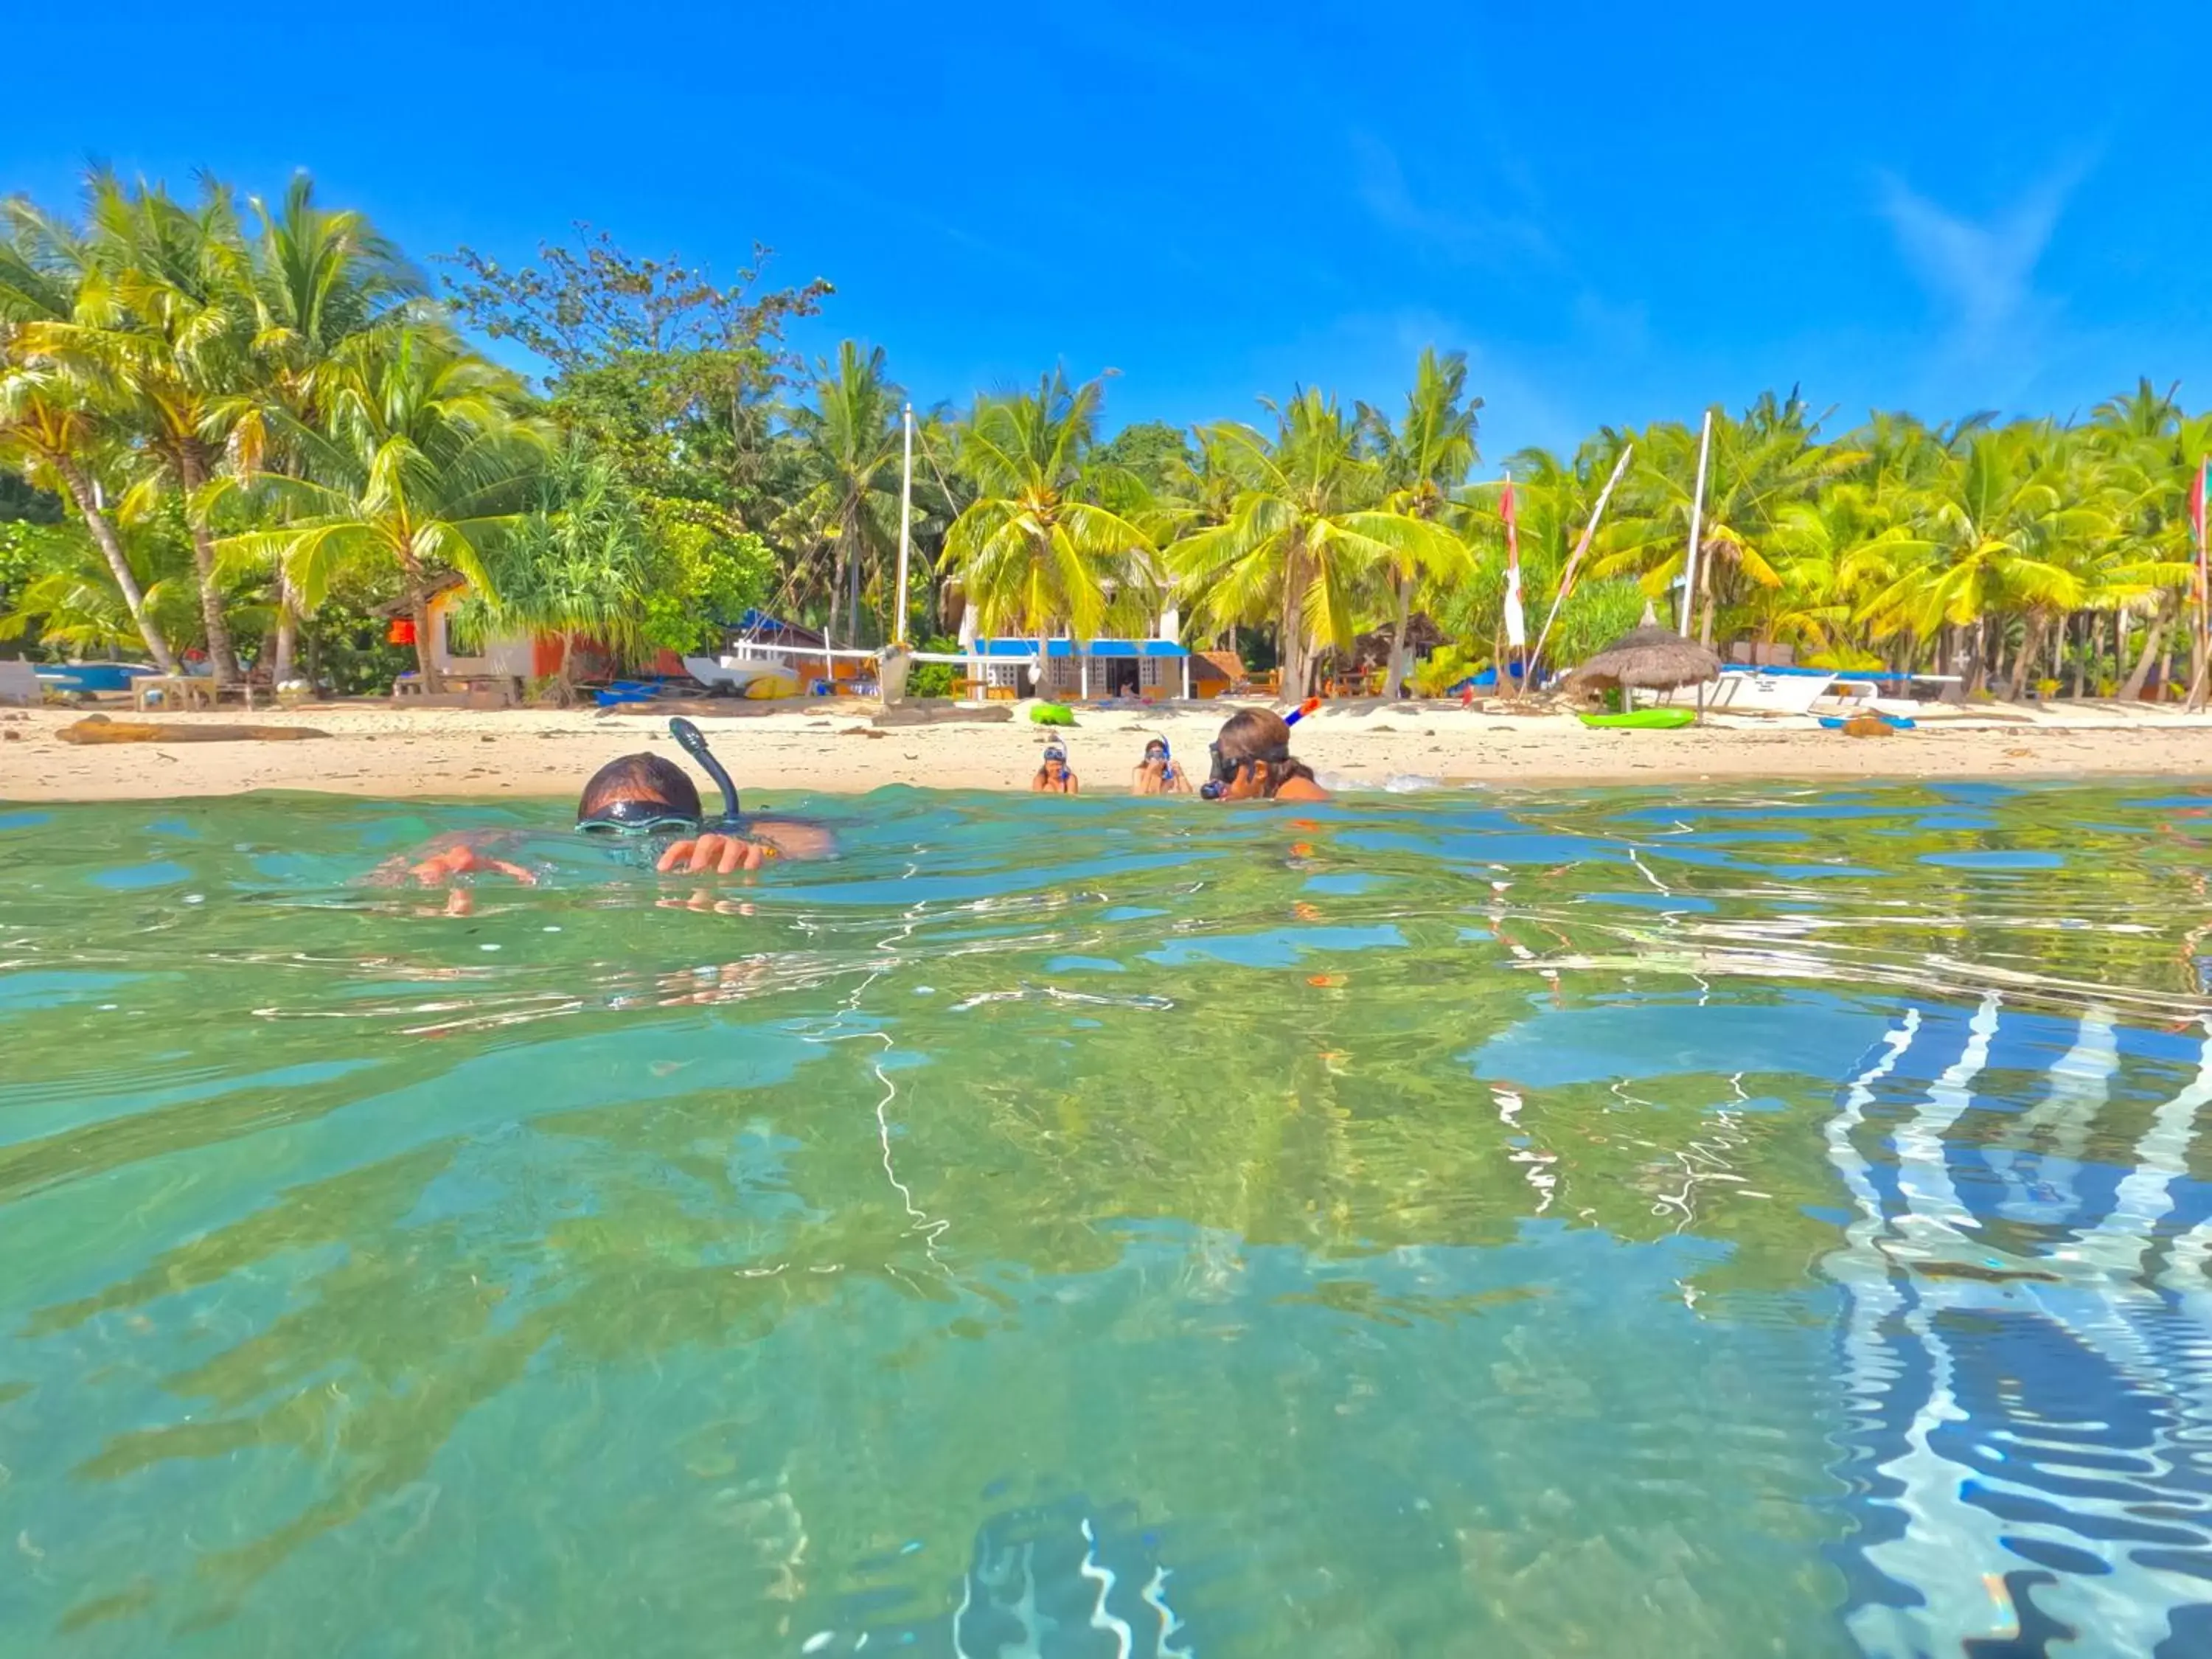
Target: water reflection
(1453,1222)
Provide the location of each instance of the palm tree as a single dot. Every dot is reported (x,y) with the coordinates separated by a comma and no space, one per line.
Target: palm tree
(50,428)
(1306,540)
(163,328)
(1425,462)
(1030,551)
(320,278)
(1769,457)
(851,444)
(2006,526)
(422,465)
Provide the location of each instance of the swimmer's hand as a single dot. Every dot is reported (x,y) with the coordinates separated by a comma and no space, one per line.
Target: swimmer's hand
(463,860)
(722,855)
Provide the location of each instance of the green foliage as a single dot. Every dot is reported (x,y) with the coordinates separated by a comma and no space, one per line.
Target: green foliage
(1443,668)
(23,503)
(652,363)
(703,581)
(1035,550)
(935,679)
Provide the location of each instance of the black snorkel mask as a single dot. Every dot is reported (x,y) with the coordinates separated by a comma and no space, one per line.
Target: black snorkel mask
(637,819)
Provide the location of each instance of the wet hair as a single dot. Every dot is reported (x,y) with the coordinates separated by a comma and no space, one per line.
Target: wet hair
(1260,735)
(640,777)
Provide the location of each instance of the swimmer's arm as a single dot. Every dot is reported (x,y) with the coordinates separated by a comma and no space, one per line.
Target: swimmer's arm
(1073,788)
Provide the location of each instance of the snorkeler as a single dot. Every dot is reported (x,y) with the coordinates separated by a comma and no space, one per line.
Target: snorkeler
(1252,762)
(1159,774)
(1052,777)
(650,803)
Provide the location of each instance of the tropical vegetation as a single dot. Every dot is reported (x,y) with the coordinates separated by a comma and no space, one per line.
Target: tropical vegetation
(233,434)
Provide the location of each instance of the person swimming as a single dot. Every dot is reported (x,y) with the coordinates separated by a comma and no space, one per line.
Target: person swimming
(1052,777)
(1158,774)
(650,802)
(651,797)
(1252,762)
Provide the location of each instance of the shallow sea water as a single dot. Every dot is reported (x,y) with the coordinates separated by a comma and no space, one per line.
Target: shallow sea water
(1754,1222)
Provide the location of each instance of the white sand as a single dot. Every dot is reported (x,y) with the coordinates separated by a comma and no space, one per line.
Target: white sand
(374,749)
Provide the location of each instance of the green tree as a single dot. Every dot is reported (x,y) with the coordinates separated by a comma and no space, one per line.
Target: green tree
(1425,463)
(651,361)
(1032,552)
(423,463)
(161,333)
(320,279)
(52,428)
(851,442)
(1307,539)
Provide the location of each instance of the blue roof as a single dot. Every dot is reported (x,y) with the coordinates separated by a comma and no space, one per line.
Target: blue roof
(1005,647)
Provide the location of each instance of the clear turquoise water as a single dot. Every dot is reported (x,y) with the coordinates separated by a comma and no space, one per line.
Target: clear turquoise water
(1766,1223)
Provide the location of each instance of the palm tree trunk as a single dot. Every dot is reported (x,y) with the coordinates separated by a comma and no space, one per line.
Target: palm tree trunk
(81,491)
(1297,663)
(2031,641)
(417,587)
(1395,677)
(287,631)
(2133,690)
(221,656)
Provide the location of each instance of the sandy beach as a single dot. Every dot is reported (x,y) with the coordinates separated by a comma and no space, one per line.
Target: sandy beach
(376,750)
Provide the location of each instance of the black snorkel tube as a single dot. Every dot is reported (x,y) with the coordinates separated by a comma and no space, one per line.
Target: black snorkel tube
(695,744)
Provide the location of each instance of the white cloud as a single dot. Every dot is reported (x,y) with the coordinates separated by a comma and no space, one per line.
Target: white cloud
(1982,274)
(1464,233)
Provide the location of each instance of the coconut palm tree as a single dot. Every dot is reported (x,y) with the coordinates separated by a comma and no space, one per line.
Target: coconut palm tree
(161,333)
(1769,456)
(1032,552)
(422,463)
(850,442)
(2008,525)
(52,429)
(1309,539)
(1425,463)
(320,278)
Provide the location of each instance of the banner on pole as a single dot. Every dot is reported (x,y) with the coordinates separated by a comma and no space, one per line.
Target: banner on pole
(1516,621)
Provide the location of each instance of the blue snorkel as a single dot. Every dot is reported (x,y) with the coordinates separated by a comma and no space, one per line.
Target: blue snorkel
(695,744)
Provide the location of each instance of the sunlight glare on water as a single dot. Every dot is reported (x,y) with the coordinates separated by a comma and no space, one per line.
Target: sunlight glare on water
(1760,1223)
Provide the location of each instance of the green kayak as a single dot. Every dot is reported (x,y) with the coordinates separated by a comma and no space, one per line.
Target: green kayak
(1643,720)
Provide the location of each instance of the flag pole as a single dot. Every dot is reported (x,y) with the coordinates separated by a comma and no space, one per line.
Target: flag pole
(1515,617)
(1574,559)
(1697,515)
(2204,586)
(906,528)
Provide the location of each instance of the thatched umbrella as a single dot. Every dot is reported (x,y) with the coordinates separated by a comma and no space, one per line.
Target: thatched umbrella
(1651,658)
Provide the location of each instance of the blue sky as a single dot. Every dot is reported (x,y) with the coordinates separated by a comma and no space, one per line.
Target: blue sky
(1618,213)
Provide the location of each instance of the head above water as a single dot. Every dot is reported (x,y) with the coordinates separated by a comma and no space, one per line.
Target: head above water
(638,785)
(1156,749)
(1252,756)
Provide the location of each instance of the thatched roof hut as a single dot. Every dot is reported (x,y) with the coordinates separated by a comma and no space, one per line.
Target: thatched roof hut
(1649,659)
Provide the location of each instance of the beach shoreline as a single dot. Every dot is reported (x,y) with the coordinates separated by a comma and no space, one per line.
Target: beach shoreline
(375,750)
